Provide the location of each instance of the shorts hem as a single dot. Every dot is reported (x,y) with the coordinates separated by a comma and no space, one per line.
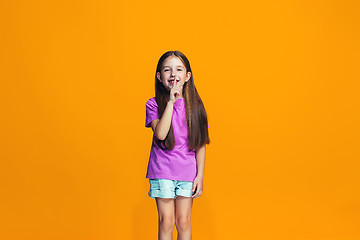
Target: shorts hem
(184,193)
(157,193)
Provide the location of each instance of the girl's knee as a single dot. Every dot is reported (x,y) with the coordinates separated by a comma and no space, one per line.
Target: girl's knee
(167,222)
(183,223)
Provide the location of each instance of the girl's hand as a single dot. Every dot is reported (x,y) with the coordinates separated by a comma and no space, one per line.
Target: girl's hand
(175,92)
(198,186)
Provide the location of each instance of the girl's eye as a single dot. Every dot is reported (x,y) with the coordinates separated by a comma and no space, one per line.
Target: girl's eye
(166,70)
(180,69)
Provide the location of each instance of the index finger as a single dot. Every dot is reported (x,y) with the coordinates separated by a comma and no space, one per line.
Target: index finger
(172,85)
(175,83)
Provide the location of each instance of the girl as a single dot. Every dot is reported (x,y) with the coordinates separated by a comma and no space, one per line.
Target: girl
(176,166)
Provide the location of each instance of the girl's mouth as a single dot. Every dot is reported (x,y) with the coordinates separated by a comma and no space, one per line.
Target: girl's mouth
(172,81)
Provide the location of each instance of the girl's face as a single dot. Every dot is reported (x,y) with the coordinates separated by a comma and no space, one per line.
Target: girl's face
(172,70)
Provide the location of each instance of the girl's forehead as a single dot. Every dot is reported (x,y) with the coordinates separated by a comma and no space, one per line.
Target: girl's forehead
(173,60)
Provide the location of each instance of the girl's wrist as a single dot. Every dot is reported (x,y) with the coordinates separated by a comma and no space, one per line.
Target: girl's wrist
(200,176)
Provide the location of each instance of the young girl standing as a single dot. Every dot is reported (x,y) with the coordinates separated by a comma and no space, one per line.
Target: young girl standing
(176,166)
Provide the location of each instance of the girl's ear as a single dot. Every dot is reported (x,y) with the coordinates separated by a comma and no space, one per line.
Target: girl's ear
(158,76)
(188,76)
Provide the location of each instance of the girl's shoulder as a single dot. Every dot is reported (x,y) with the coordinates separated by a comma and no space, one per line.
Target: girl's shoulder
(151,103)
(151,100)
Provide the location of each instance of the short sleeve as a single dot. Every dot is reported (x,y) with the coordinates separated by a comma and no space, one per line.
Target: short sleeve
(151,111)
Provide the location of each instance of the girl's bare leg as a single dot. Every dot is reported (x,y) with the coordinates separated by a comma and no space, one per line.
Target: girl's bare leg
(183,207)
(166,212)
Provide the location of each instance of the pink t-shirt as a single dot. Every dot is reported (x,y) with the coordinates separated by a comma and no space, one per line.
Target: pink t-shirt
(179,163)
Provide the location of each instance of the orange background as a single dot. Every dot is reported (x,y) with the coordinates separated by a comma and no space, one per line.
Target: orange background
(280,83)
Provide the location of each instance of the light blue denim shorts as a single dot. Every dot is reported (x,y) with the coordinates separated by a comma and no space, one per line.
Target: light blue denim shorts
(165,188)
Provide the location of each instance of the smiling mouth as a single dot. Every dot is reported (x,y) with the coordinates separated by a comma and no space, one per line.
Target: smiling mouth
(172,81)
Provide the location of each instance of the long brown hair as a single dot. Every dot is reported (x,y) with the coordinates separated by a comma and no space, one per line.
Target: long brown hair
(195,111)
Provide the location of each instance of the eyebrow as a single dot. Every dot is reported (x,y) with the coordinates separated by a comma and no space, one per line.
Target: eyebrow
(177,66)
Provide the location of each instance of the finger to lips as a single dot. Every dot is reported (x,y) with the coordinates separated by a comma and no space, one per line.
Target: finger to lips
(173,85)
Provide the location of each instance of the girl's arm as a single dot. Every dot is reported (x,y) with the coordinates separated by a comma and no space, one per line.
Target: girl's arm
(198,181)
(161,127)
